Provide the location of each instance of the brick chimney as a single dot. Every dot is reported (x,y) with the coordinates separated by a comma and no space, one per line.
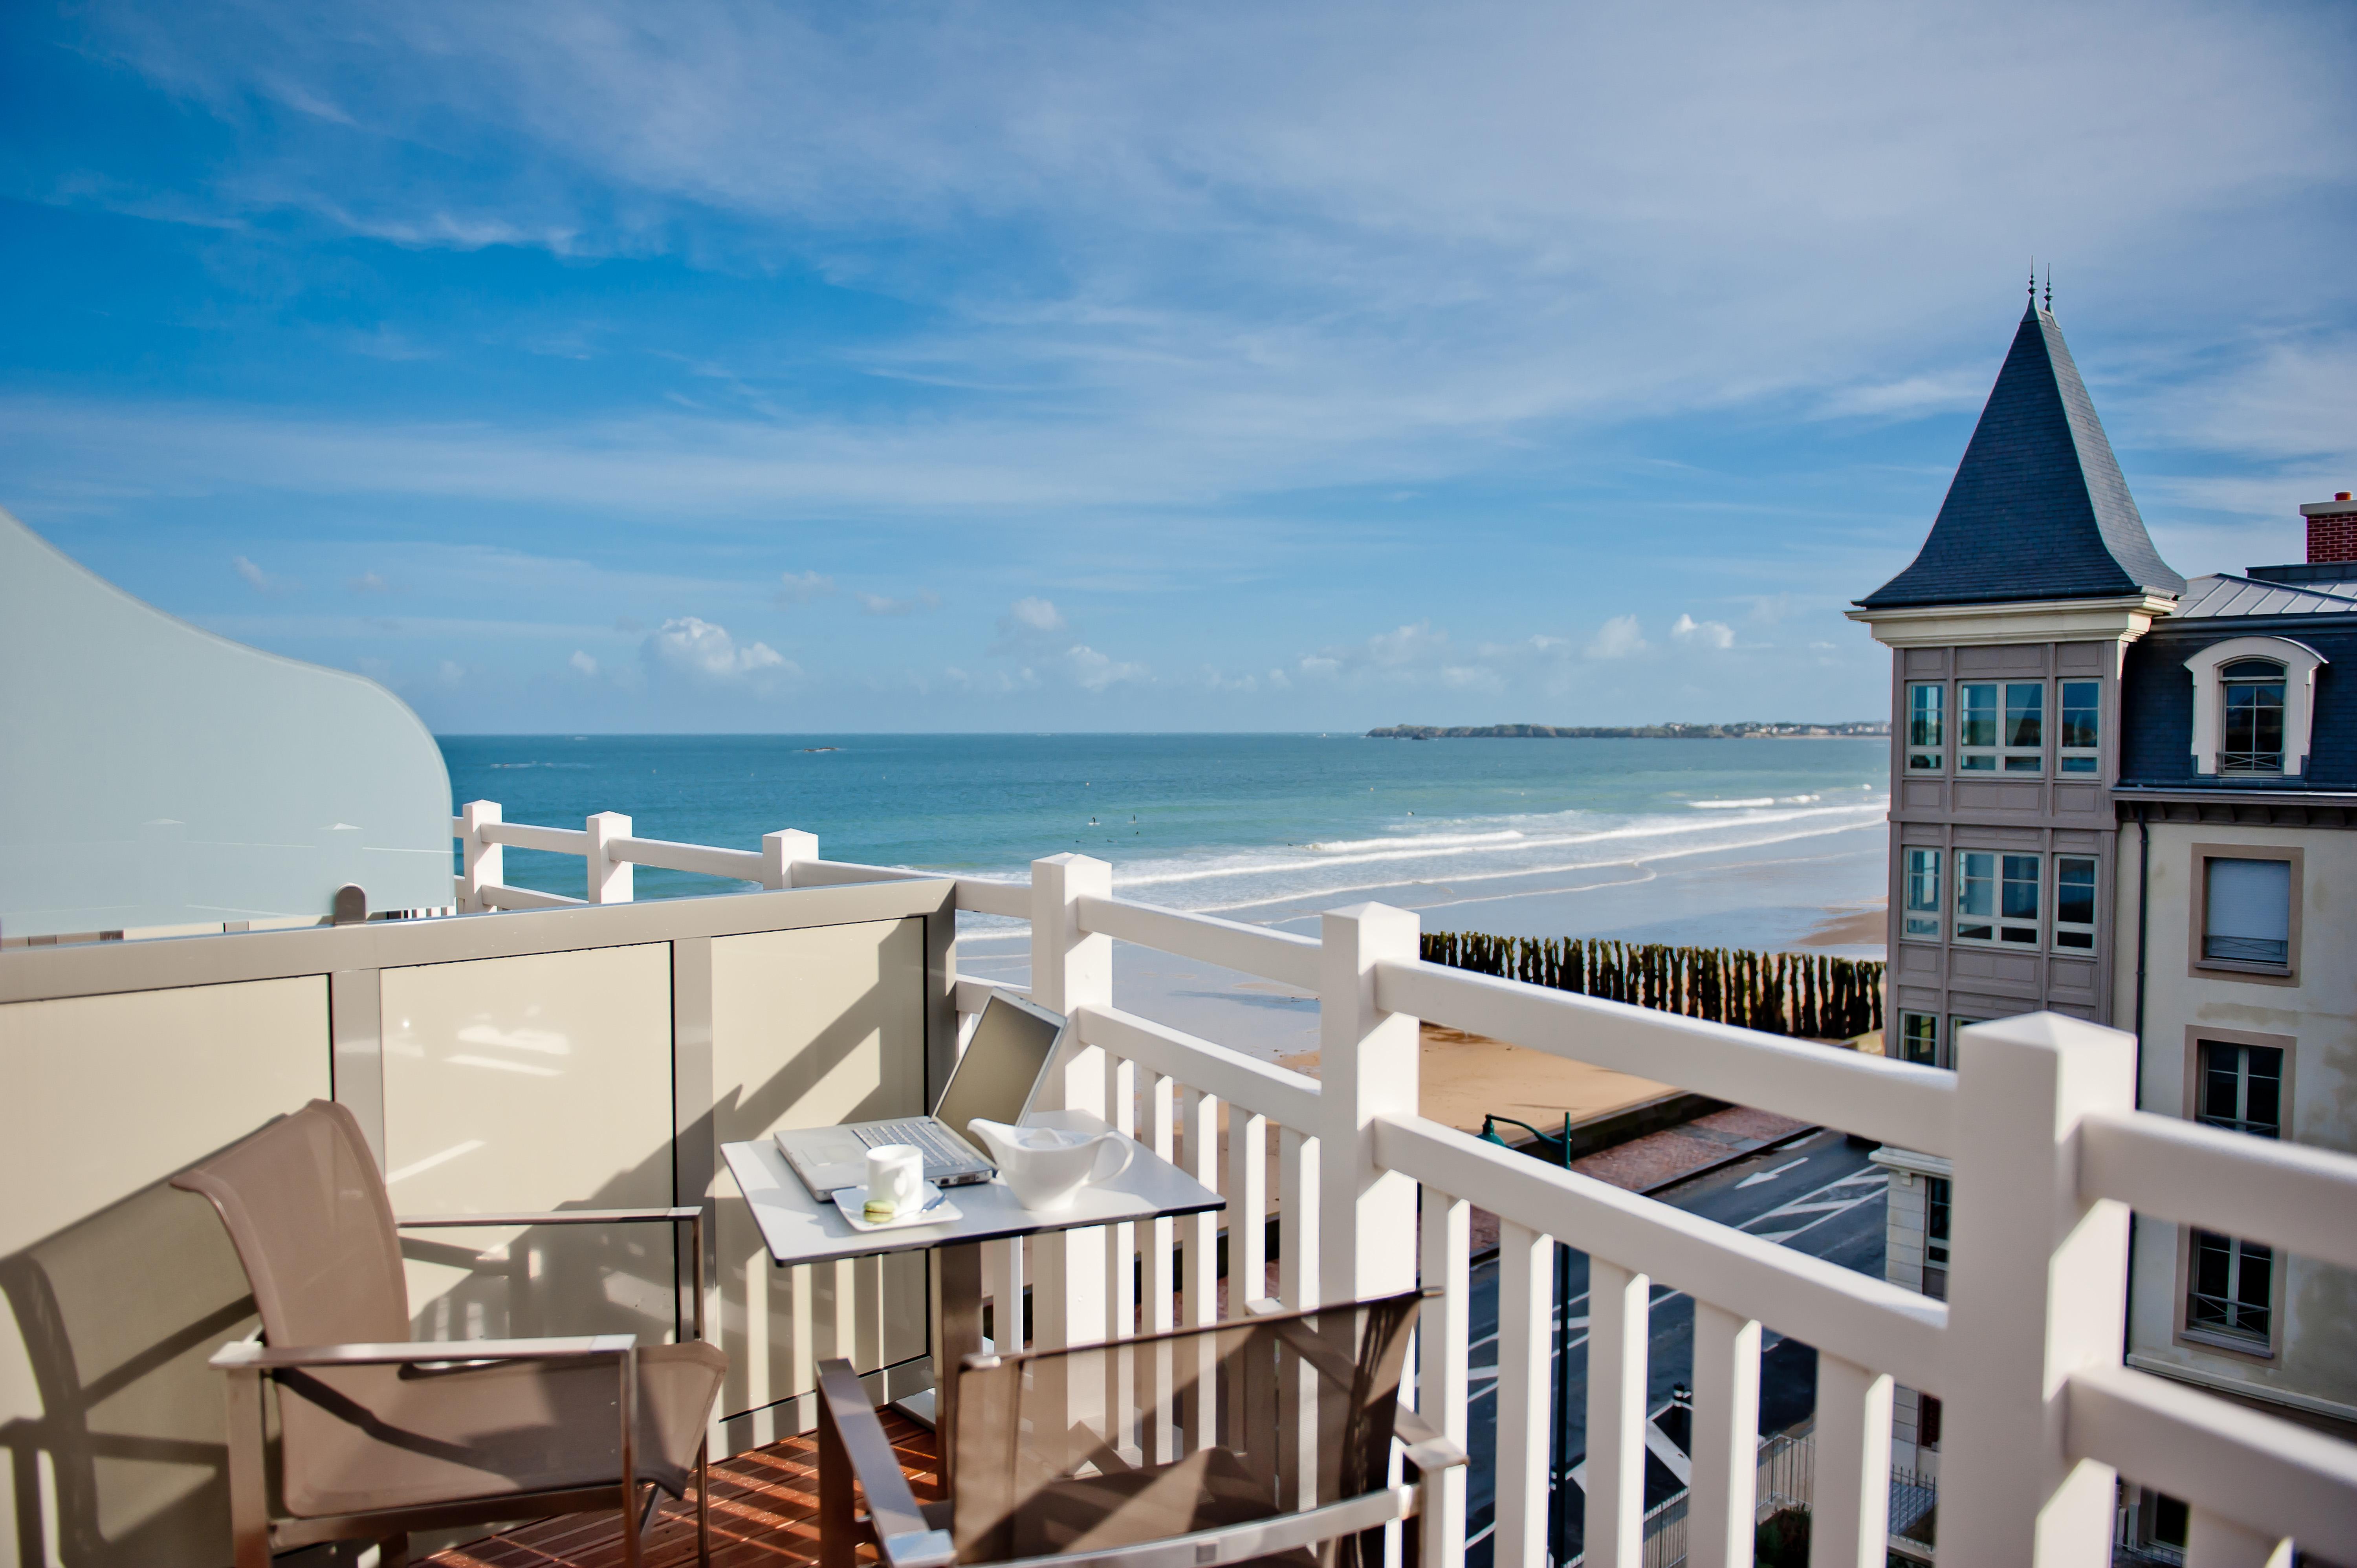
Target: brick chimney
(2332,528)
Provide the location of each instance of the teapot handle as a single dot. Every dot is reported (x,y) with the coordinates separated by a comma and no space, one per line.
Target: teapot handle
(1128,1151)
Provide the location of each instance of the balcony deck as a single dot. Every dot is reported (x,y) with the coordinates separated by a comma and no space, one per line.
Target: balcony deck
(764,1511)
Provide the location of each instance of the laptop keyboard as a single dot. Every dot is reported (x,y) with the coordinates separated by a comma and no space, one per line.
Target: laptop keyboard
(938,1147)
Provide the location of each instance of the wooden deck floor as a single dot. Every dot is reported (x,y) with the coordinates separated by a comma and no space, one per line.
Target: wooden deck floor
(764,1512)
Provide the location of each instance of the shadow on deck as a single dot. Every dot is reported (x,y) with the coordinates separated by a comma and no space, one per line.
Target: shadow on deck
(764,1511)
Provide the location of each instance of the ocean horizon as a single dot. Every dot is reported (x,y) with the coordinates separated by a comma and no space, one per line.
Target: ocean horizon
(1254,826)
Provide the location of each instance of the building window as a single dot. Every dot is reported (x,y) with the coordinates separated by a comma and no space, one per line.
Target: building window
(1997,897)
(2254,738)
(1937,1194)
(2074,902)
(2232,1288)
(2254,705)
(1976,748)
(2025,726)
(1922,893)
(1926,730)
(2247,911)
(1927,1420)
(1918,1038)
(2082,719)
(2242,1087)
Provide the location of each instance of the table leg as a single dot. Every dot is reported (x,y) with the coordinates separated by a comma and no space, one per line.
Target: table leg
(956,1277)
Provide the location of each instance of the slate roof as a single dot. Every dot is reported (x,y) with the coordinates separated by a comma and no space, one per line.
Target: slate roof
(2038,508)
(2224,595)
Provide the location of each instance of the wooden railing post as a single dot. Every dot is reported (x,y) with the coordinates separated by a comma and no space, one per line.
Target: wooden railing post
(1368,1061)
(485,864)
(1725,1430)
(2037,1291)
(781,851)
(610,877)
(1071,969)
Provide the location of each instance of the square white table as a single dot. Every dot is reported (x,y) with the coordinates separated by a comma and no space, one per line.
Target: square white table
(800,1228)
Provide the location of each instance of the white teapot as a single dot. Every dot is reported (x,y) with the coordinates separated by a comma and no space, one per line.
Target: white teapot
(1046,1166)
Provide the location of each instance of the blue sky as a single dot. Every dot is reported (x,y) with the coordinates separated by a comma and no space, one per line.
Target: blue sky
(591,366)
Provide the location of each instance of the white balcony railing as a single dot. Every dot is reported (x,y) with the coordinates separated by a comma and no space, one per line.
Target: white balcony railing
(2049,1156)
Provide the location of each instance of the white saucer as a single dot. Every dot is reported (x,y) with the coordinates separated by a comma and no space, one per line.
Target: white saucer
(852,1203)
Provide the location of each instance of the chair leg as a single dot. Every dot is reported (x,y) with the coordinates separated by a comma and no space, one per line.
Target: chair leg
(837,1548)
(703,1504)
(630,1543)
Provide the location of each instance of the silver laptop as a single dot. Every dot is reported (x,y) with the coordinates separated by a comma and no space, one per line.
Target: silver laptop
(996,1079)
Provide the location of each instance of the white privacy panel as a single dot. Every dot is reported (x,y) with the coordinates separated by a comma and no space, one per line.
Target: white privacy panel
(533,1082)
(809,1028)
(117,1288)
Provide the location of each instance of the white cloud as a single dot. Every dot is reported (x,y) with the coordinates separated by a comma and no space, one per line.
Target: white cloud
(801,587)
(452,672)
(1035,614)
(698,650)
(1619,638)
(1093,672)
(1409,238)
(370,583)
(1703,633)
(583,663)
(260,581)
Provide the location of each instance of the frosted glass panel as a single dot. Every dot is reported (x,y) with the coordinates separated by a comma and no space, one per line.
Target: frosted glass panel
(157,775)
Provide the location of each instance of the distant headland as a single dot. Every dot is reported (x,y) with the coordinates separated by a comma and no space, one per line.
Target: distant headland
(1866,727)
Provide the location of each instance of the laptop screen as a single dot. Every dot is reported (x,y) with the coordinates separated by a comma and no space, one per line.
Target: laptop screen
(993,1081)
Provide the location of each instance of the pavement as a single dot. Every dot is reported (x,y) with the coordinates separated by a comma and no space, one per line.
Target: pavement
(1815,1193)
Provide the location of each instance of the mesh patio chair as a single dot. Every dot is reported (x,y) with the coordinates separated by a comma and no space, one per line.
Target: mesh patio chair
(379,1436)
(1267,1440)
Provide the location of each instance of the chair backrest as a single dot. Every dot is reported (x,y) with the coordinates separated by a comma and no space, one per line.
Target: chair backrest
(1138,1440)
(307,1210)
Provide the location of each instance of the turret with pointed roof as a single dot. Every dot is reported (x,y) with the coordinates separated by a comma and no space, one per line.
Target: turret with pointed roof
(2038,508)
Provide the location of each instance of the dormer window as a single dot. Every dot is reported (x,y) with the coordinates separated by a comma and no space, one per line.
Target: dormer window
(2253,700)
(2253,741)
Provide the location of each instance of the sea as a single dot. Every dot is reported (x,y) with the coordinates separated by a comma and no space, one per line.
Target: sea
(1768,842)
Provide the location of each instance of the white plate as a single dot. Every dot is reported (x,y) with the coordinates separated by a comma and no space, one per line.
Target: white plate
(852,1203)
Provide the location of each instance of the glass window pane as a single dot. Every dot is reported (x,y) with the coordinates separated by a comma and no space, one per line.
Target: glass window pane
(2021,887)
(1924,716)
(2025,714)
(2081,709)
(2074,891)
(2263,1091)
(1977,725)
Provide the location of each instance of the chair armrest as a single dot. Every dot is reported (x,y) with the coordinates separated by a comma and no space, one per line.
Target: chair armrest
(550,1217)
(904,1538)
(1427,1449)
(245,1356)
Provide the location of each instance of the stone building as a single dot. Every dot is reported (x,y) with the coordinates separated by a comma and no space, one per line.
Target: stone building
(2128,797)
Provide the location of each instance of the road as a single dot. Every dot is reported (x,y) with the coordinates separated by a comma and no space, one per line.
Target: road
(1816,1194)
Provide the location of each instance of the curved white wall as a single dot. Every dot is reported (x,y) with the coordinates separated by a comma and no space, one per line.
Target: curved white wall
(152,774)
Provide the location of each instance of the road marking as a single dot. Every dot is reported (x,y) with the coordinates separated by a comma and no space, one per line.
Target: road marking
(1772,1176)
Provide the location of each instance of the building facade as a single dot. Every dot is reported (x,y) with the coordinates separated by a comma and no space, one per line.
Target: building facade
(2129,797)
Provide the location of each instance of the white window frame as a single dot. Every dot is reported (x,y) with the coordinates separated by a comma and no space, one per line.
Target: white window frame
(2077,758)
(1980,758)
(2022,759)
(2073,928)
(1907,1034)
(2300,664)
(2003,870)
(1926,757)
(1918,918)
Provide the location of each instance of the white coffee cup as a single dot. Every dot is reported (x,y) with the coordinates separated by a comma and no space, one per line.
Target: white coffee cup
(895,1175)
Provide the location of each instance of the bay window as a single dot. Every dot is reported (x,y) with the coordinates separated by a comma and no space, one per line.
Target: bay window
(1997,897)
(2074,902)
(1926,732)
(1922,893)
(2025,726)
(2082,718)
(1976,722)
